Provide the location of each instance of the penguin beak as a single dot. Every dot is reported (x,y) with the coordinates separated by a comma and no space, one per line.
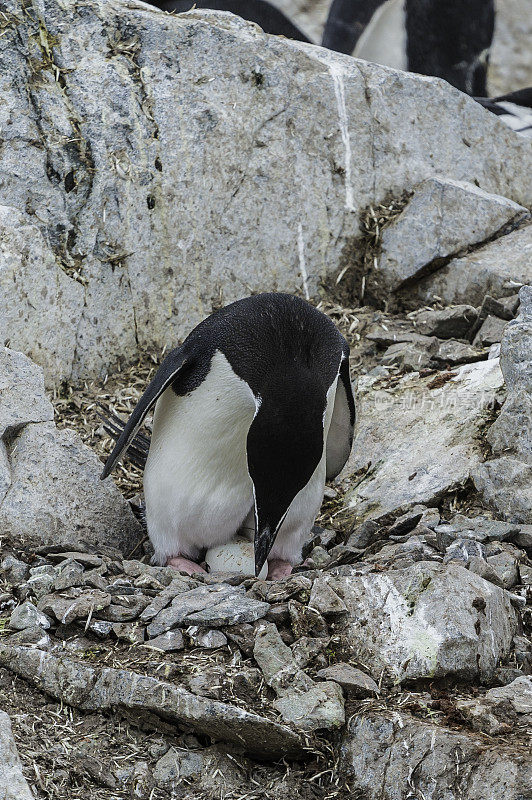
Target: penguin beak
(264,539)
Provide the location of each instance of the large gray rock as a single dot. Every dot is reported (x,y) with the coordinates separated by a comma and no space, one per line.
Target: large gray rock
(435,441)
(173,162)
(50,488)
(499,269)
(91,689)
(13,785)
(394,756)
(441,218)
(426,621)
(506,480)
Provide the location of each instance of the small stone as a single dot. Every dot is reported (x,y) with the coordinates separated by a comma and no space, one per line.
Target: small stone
(70,574)
(208,639)
(15,571)
(168,642)
(319,708)
(454,322)
(28,616)
(481,567)
(13,785)
(524,537)
(462,550)
(41,583)
(480,715)
(296,586)
(176,587)
(353,681)
(406,523)
(100,627)
(325,600)
(149,582)
(505,566)
(305,650)
(243,636)
(187,603)
(31,637)
(67,609)
(411,356)
(452,352)
(85,559)
(231,610)
(278,614)
(318,557)
(518,694)
(365,534)
(126,609)
(306,620)
(491,331)
(165,575)
(129,632)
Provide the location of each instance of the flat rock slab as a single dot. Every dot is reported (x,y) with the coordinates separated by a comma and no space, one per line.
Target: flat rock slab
(499,269)
(210,607)
(383,753)
(442,217)
(435,441)
(91,689)
(13,785)
(426,621)
(173,153)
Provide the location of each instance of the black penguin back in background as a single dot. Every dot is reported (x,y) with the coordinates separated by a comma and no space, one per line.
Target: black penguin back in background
(269,18)
(448,39)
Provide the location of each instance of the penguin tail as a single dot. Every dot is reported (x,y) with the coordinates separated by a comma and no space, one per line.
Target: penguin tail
(113,425)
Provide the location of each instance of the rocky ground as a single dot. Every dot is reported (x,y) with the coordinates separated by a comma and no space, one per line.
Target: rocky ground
(396,662)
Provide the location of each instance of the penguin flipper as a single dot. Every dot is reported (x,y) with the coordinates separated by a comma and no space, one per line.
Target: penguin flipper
(167,372)
(341,430)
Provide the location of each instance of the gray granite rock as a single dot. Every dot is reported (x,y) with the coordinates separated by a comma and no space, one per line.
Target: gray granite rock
(205,638)
(91,689)
(208,769)
(280,669)
(453,352)
(15,571)
(353,681)
(411,356)
(441,218)
(453,322)
(385,752)
(518,694)
(319,708)
(167,642)
(426,621)
(491,331)
(77,605)
(13,785)
(345,126)
(27,615)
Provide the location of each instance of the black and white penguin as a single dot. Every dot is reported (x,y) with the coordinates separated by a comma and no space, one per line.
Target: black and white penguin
(268,17)
(514,109)
(254,412)
(448,39)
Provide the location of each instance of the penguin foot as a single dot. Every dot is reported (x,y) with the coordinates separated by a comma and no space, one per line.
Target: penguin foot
(183,564)
(277,569)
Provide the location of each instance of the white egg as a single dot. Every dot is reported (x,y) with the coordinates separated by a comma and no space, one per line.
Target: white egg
(238,555)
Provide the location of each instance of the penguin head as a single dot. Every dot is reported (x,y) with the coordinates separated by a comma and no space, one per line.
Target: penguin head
(284,447)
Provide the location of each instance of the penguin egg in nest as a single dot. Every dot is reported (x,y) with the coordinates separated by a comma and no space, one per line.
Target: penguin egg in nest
(238,555)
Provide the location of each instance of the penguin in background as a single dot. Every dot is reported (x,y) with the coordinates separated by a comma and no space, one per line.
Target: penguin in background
(448,39)
(253,413)
(264,14)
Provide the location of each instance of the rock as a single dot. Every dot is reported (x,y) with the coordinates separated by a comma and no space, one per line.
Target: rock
(406,523)
(365,534)
(15,571)
(306,620)
(208,606)
(306,649)
(70,574)
(505,481)
(28,616)
(126,609)
(320,708)
(503,308)
(178,585)
(402,470)
(480,567)
(209,640)
(518,694)
(243,636)
(91,689)
(505,567)
(481,717)
(385,752)
(325,600)
(454,322)
(453,352)
(85,559)
(482,529)
(209,769)
(277,663)
(411,356)
(295,587)
(66,609)
(167,642)
(490,332)
(510,62)
(50,488)
(442,217)
(130,632)
(499,269)
(426,621)
(115,158)
(353,681)
(34,636)
(13,785)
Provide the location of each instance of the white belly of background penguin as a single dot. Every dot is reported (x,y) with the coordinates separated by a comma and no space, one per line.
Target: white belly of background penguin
(254,412)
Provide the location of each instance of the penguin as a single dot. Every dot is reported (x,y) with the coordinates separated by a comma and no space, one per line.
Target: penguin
(253,413)
(514,109)
(268,17)
(448,39)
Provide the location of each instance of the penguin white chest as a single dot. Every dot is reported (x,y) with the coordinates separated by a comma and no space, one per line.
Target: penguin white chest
(196,481)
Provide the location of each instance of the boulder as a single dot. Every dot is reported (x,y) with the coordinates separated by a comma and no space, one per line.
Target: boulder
(50,488)
(13,785)
(425,621)
(499,269)
(383,753)
(435,441)
(505,481)
(145,159)
(442,217)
